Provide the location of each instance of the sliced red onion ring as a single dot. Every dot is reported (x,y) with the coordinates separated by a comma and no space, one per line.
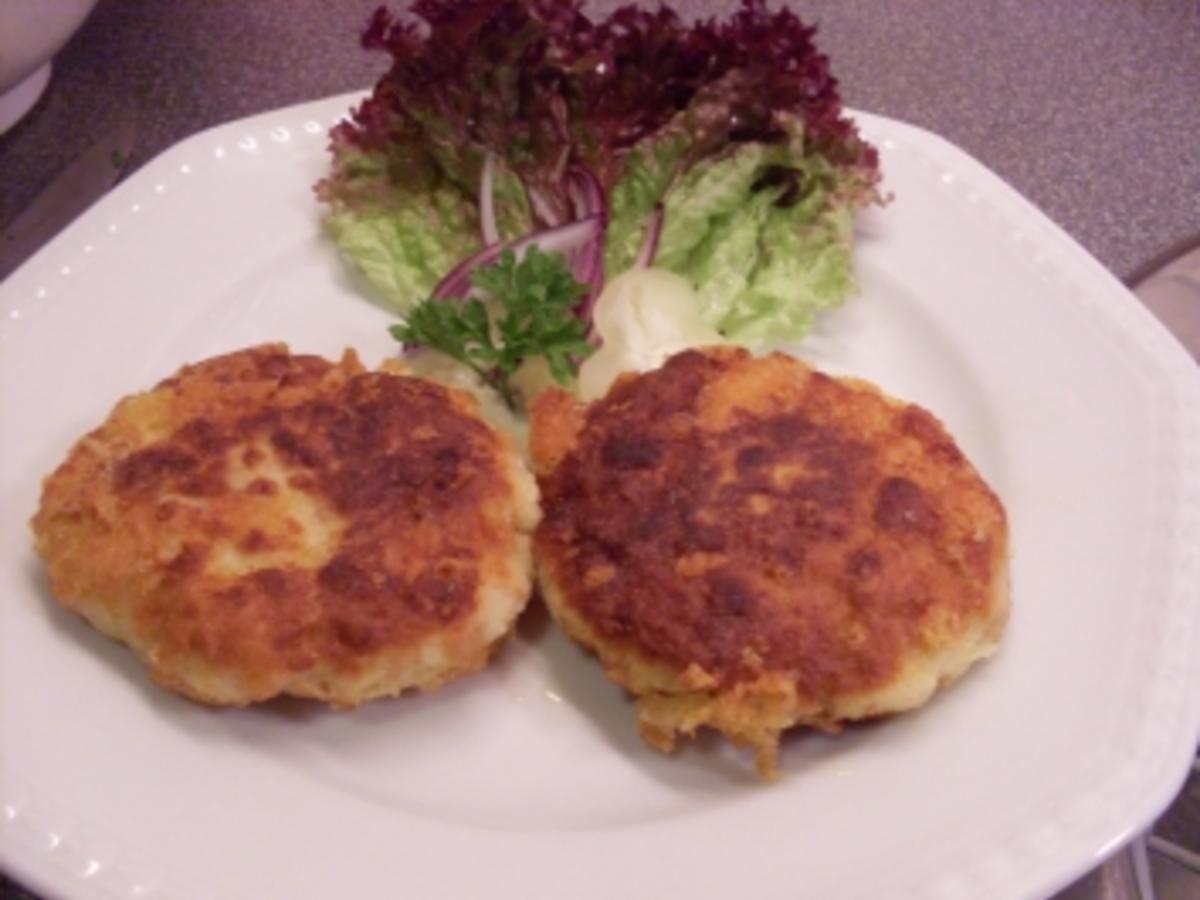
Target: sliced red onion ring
(587,263)
(585,192)
(542,208)
(649,246)
(588,198)
(487,201)
(580,242)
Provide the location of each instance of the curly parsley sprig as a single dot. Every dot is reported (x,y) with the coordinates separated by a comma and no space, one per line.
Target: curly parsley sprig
(530,315)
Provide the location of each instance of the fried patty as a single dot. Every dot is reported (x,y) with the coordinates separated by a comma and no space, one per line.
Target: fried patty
(749,544)
(265,523)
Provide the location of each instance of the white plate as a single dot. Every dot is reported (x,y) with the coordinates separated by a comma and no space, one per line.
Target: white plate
(529,781)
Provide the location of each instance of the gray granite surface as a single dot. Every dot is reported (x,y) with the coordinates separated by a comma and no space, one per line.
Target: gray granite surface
(1090,108)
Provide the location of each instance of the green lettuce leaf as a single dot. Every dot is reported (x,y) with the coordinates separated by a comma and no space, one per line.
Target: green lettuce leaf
(704,200)
(804,266)
(721,264)
(404,242)
(404,234)
(762,237)
(649,169)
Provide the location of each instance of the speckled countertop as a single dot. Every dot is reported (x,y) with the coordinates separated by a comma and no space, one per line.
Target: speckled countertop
(1091,108)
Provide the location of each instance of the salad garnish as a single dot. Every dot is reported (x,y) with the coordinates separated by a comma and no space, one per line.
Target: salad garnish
(524,313)
(718,150)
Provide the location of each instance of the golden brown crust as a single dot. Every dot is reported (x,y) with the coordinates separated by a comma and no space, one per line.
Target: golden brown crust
(548,446)
(743,519)
(264,522)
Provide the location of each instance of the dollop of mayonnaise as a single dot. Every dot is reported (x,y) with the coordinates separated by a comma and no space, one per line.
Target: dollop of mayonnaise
(643,316)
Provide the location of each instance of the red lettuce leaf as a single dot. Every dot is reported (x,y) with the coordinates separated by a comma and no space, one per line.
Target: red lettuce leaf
(546,88)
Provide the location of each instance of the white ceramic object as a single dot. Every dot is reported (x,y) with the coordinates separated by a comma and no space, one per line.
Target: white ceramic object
(31,33)
(1173,293)
(529,781)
